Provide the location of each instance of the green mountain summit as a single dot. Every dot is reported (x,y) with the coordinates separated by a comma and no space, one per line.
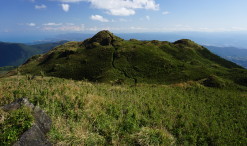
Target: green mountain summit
(108,58)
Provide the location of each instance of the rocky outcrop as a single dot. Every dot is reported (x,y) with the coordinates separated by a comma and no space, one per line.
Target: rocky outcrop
(35,136)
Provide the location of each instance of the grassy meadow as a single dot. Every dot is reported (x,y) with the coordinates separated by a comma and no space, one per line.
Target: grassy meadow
(85,113)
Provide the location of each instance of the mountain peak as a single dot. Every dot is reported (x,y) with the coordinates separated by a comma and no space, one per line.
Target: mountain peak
(107,58)
(188,43)
(104,32)
(104,37)
(184,41)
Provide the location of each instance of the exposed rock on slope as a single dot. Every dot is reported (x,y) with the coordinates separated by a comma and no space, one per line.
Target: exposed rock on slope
(35,136)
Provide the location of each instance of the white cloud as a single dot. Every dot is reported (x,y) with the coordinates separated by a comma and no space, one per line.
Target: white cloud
(121,12)
(65,7)
(124,7)
(119,7)
(95,28)
(148,18)
(239,28)
(31,24)
(165,12)
(65,27)
(137,28)
(70,24)
(52,24)
(69,1)
(99,18)
(40,6)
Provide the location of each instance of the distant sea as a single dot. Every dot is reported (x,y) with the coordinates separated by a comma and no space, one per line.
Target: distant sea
(220,39)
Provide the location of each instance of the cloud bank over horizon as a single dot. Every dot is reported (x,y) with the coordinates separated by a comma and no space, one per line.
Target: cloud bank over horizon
(128,16)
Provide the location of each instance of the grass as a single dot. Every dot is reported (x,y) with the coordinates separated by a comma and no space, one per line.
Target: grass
(13,124)
(85,113)
(107,58)
(6,69)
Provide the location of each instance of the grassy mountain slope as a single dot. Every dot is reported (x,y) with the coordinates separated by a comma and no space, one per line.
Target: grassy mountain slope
(108,58)
(15,54)
(85,113)
(185,112)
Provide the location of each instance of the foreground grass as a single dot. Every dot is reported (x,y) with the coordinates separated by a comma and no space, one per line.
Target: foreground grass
(86,113)
(13,124)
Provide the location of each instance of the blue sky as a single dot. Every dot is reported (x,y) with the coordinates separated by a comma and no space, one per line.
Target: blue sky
(43,17)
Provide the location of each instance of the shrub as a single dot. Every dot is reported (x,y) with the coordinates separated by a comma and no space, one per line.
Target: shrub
(214,81)
(14,124)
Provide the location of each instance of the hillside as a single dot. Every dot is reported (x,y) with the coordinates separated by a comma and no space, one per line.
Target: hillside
(45,47)
(239,56)
(15,54)
(108,58)
(85,113)
(182,94)
(6,69)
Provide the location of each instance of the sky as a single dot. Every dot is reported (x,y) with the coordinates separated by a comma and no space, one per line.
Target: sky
(49,17)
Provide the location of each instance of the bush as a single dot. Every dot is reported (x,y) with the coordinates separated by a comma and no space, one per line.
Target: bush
(14,124)
(214,81)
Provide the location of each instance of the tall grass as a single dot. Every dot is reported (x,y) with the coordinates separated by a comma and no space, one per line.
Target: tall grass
(85,113)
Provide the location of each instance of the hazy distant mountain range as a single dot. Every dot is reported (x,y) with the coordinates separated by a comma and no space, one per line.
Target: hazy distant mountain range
(239,56)
(14,54)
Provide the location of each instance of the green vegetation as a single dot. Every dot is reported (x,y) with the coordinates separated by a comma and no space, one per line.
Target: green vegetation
(116,92)
(15,54)
(5,69)
(85,113)
(13,124)
(108,58)
(45,47)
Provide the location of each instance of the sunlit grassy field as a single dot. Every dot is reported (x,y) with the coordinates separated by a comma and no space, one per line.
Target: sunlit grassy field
(85,113)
